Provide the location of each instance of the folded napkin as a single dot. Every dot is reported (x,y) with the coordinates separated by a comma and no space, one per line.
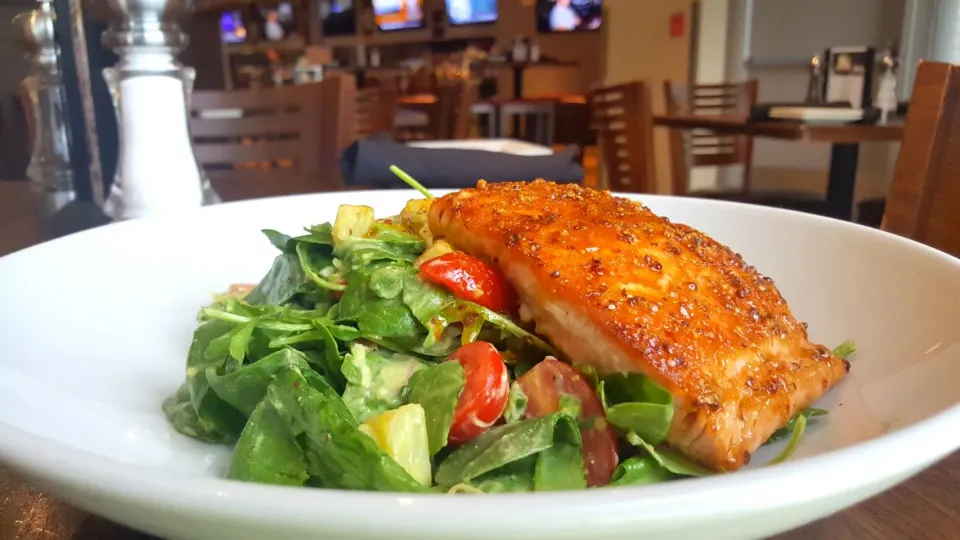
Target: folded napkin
(761,111)
(367,163)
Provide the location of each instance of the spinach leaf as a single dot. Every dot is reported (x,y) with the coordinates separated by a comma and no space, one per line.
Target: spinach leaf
(244,388)
(183,417)
(395,235)
(638,471)
(375,380)
(668,459)
(473,316)
(376,316)
(338,454)
(267,452)
(512,442)
(787,429)
(424,299)
(516,404)
(846,349)
(214,414)
(323,233)
(633,402)
(278,239)
(387,281)
(561,466)
(503,483)
(281,283)
(437,389)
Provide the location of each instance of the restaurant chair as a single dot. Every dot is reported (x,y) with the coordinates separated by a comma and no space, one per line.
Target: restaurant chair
(449,114)
(532,120)
(622,117)
(704,148)
(924,197)
(376,110)
(273,141)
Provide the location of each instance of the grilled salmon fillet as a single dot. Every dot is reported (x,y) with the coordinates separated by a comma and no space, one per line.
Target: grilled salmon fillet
(615,286)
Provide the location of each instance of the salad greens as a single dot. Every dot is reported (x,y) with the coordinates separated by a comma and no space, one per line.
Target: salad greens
(330,372)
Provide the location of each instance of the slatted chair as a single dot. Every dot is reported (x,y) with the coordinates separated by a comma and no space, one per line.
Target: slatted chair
(924,199)
(703,148)
(623,119)
(273,141)
(376,109)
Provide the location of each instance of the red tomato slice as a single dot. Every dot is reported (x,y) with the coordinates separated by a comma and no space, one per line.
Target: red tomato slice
(544,384)
(485,391)
(471,279)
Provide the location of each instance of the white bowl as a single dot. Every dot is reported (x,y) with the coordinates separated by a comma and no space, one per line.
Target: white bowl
(95,328)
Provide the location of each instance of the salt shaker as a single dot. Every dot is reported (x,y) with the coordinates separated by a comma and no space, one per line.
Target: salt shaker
(157,173)
(886,99)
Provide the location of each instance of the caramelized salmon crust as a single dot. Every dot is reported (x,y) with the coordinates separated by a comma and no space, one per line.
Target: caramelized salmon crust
(613,285)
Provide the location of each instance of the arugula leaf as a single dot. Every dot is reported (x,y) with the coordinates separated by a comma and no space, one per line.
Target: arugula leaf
(240,340)
(846,349)
(788,428)
(633,402)
(267,451)
(321,234)
(638,471)
(183,417)
(244,388)
(361,252)
(473,316)
(313,262)
(668,459)
(375,380)
(375,316)
(338,453)
(509,443)
(516,404)
(437,389)
(281,283)
(796,434)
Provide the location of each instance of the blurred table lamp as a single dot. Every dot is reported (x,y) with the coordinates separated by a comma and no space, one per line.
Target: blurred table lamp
(157,171)
(49,172)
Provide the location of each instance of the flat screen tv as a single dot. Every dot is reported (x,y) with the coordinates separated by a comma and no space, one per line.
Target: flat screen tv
(569,15)
(232,29)
(398,14)
(466,12)
(338,18)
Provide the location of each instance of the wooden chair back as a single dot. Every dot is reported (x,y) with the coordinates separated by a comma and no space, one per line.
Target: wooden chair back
(452,116)
(376,109)
(924,199)
(622,116)
(701,148)
(273,141)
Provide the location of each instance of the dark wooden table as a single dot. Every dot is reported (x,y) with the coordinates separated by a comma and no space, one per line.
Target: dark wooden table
(844,138)
(923,507)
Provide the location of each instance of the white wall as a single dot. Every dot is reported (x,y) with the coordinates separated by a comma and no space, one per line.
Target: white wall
(711,67)
(775,39)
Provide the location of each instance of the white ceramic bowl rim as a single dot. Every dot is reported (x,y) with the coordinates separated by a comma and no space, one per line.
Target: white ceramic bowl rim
(927,440)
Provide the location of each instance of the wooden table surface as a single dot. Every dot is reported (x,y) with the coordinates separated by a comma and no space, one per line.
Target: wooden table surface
(792,131)
(925,507)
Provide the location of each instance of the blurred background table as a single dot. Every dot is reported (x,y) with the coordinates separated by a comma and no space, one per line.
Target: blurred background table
(923,507)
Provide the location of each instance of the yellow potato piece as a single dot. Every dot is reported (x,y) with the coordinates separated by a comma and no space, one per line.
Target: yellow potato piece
(402,434)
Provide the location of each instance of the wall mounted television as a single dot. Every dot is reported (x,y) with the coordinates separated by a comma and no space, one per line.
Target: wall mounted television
(337,18)
(468,12)
(392,15)
(569,15)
